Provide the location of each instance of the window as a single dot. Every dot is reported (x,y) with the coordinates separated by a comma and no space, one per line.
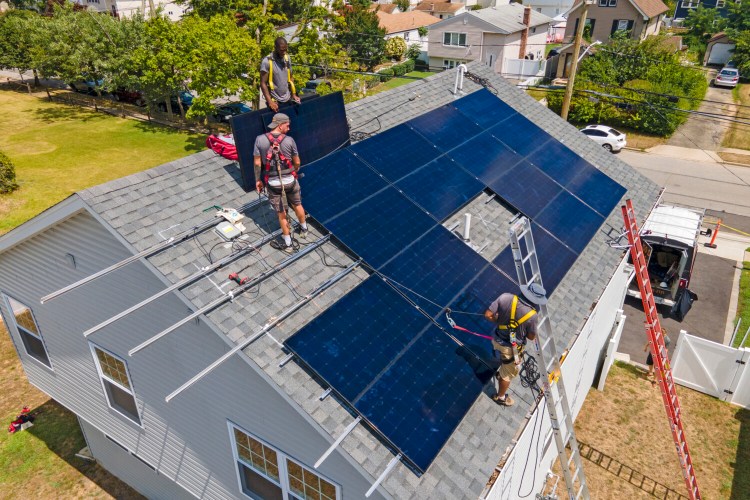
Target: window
(406,36)
(612,3)
(28,330)
(607,3)
(116,382)
(266,473)
(690,4)
(720,4)
(450,63)
(454,39)
(621,25)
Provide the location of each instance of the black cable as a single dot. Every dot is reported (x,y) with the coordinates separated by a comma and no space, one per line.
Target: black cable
(536,451)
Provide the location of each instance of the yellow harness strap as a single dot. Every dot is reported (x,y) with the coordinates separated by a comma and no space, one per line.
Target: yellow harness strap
(521,321)
(288,72)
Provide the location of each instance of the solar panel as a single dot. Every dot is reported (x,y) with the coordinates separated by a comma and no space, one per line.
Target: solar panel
(396,152)
(440,187)
(526,187)
(381,226)
(570,221)
(555,259)
(434,269)
(558,161)
(358,336)
(520,134)
(337,183)
(597,190)
(318,126)
(445,127)
(485,157)
(484,108)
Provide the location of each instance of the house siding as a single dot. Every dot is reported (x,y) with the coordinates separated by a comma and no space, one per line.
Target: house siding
(474,37)
(186,440)
(682,12)
(604,16)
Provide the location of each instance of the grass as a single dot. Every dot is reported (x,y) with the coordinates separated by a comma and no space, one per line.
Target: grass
(638,140)
(41,461)
(737,136)
(397,82)
(551,46)
(59,149)
(627,424)
(743,305)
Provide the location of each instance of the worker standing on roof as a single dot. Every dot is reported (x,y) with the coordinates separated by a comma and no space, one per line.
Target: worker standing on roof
(277,154)
(276,76)
(515,321)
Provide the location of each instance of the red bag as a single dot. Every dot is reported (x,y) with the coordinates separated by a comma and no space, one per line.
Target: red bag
(222,145)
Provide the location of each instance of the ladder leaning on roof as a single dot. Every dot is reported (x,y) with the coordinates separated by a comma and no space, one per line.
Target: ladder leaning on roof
(546,356)
(659,351)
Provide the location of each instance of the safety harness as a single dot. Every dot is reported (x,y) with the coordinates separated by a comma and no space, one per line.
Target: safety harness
(288,66)
(276,159)
(512,328)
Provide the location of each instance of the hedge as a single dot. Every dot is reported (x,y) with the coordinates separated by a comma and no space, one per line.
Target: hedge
(7,174)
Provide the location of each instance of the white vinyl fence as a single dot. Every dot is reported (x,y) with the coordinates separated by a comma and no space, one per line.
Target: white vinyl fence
(519,68)
(712,368)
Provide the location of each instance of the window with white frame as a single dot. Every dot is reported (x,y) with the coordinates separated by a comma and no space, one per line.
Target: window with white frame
(454,39)
(612,3)
(28,330)
(267,473)
(115,378)
(720,4)
(450,63)
(690,4)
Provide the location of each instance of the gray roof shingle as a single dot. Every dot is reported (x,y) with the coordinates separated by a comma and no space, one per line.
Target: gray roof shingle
(151,206)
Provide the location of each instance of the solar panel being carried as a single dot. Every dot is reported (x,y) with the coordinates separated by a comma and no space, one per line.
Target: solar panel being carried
(386,348)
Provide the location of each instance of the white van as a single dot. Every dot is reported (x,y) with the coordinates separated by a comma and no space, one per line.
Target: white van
(670,239)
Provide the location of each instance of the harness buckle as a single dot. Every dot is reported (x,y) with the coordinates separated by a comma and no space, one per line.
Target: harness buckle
(448,318)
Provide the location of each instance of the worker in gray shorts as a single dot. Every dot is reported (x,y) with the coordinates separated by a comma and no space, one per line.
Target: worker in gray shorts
(276,161)
(515,321)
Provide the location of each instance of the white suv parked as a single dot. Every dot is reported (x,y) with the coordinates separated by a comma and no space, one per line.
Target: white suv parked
(609,138)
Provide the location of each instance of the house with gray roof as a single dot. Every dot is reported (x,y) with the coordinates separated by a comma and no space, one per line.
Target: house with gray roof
(182,379)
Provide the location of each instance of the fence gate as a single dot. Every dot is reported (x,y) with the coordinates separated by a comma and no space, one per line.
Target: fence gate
(712,368)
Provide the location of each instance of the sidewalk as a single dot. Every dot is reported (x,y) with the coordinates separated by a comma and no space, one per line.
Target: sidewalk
(738,156)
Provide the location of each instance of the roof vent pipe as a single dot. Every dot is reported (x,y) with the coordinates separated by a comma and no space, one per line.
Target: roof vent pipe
(459,80)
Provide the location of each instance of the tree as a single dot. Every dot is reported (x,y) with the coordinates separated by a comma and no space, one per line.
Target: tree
(7,175)
(702,23)
(314,50)
(395,48)
(362,36)
(423,31)
(35,5)
(738,30)
(414,51)
(16,41)
(403,5)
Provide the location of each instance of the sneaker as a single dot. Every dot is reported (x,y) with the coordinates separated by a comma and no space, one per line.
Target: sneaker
(504,401)
(280,245)
(302,233)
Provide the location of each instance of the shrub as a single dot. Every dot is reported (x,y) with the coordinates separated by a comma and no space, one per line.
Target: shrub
(399,69)
(423,31)
(409,65)
(7,174)
(395,48)
(386,74)
(414,51)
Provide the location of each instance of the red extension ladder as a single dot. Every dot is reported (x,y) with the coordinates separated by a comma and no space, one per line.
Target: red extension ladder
(659,351)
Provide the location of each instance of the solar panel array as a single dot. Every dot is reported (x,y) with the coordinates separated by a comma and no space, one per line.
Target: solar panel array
(385,348)
(318,126)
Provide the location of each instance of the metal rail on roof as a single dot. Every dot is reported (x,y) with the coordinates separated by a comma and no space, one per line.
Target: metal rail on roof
(347,431)
(387,471)
(231,295)
(268,326)
(179,238)
(186,281)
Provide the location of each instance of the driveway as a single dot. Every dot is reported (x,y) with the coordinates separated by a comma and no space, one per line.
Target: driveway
(703,132)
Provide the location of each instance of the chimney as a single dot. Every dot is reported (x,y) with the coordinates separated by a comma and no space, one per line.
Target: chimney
(525,33)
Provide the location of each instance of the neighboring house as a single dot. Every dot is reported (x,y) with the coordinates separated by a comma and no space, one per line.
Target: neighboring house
(260,421)
(685,6)
(638,18)
(495,36)
(551,8)
(128,8)
(387,8)
(556,33)
(718,50)
(441,10)
(406,25)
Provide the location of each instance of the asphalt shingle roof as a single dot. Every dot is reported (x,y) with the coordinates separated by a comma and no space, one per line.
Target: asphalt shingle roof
(150,206)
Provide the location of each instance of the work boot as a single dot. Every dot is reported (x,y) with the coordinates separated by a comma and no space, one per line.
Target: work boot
(302,233)
(281,245)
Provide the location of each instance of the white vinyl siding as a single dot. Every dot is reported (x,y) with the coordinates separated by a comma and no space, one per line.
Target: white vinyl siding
(28,330)
(116,383)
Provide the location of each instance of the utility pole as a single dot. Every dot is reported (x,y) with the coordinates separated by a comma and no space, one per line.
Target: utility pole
(574,62)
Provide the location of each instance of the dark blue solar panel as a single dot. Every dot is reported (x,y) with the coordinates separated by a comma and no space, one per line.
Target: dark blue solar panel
(520,134)
(318,126)
(596,190)
(526,187)
(396,152)
(381,226)
(484,108)
(437,267)
(559,162)
(420,400)
(440,187)
(485,157)
(555,259)
(355,339)
(337,183)
(570,221)
(445,127)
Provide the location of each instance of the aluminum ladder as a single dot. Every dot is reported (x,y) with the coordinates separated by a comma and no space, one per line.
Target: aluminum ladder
(546,356)
(659,351)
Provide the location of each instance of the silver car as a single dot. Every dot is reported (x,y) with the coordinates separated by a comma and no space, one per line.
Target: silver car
(610,139)
(727,77)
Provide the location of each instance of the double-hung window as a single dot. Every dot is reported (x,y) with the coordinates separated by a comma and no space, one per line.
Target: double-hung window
(454,39)
(115,378)
(28,330)
(690,4)
(720,4)
(268,474)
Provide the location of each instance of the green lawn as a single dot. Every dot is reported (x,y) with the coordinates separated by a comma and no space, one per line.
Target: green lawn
(397,82)
(59,149)
(737,136)
(743,305)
